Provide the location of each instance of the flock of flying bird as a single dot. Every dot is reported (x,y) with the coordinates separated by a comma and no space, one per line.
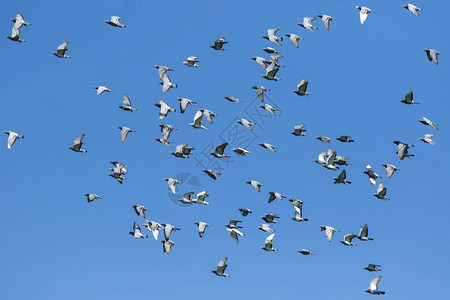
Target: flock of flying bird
(327,159)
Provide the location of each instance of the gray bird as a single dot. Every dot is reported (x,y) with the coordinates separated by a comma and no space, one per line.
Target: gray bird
(269,108)
(221,266)
(363,13)
(266,228)
(61,51)
(92,197)
(326,20)
(324,139)
(167,246)
(275,195)
(305,252)
(260,91)
(154,227)
(233,224)
(271,36)
(183,151)
(240,151)
(372,268)
(139,210)
(364,233)
(402,149)
(162,71)
(218,151)
(432,55)
(347,241)
(381,192)
(118,171)
(166,82)
(342,178)
(124,131)
(342,161)
(168,229)
(136,233)
(329,231)
(323,157)
(234,233)
(233,99)
(191,61)
(208,115)
(427,121)
(245,211)
(271,72)
(270,218)
(428,139)
(164,109)
(373,287)
(372,175)
(211,173)
(268,243)
(270,50)
(172,182)
(184,103)
(187,198)
(117,175)
(301,88)
(331,161)
(409,98)
(294,38)
(77,143)
(390,169)
(115,21)
(255,184)
(202,227)
(298,207)
(100,89)
(307,24)
(345,139)
(166,130)
(120,166)
(218,44)
(126,106)
(268,146)
(261,61)
(198,120)
(12,137)
(19,21)
(412,8)
(246,123)
(299,131)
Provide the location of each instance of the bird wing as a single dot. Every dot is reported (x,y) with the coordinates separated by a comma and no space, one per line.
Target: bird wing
(126,100)
(374,283)
(78,141)
(222,265)
(198,118)
(329,231)
(409,95)
(220,148)
(63,46)
(269,240)
(343,175)
(362,16)
(364,231)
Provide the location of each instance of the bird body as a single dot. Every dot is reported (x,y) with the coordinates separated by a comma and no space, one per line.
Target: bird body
(115,21)
(61,51)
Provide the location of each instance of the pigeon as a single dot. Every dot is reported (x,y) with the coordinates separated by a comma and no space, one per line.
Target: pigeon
(246,123)
(269,108)
(390,169)
(270,218)
(221,266)
(427,121)
(342,178)
(324,139)
(270,50)
(124,131)
(12,137)
(172,182)
(218,151)
(164,109)
(19,21)
(137,232)
(381,192)
(305,252)
(255,184)
(412,8)
(162,71)
(373,287)
(428,139)
(268,243)
(268,146)
(261,61)
(120,166)
(275,195)
(233,224)
(363,233)
(363,13)
(166,131)
(402,149)
(234,233)
(166,83)
(326,20)
(184,103)
(168,230)
(330,162)
(198,118)
(92,197)
(342,161)
(115,21)
(245,211)
(139,210)
(294,38)
(153,227)
(117,175)
(299,131)
(201,198)
(167,246)
(183,151)
(271,71)
(202,227)
(61,52)
(187,198)
(432,55)
(372,175)
(329,231)
(208,115)
(372,268)
(272,37)
(77,143)
(321,159)
(307,24)
(266,228)
(298,206)
(409,98)
(260,91)
(345,139)
(126,106)
(301,88)
(213,174)
(100,89)
(240,151)
(348,239)
(191,61)
(218,44)
(233,99)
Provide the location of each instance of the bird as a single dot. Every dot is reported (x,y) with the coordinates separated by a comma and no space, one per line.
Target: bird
(115,21)
(166,130)
(412,8)
(331,161)
(372,175)
(275,195)
(139,210)
(260,91)
(234,233)
(172,182)
(266,228)
(324,139)
(301,88)
(373,287)
(187,198)
(184,103)
(19,21)
(154,227)
(299,131)
(293,38)
(261,61)
(342,178)
(326,20)
(218,44)
(202,227)
(166,83)
(268,146)
(305,252)
(221,266)
(126,106)
(409,98)
(390,169)
(233,99)
(372,268)
(307,24)
(268,243)
(167,246)
(269,108)
(245,211)
(323,157)
(61,51)
(363,13)
(255,184)
(271,36)
(162,71)
(428,139)
(270,218)
(381,192)
(77,143)
(120,166)
(298,206)
(402,149)
(183,151)
(345,139)
(201,198)
(213,174)
(168,229)
(427,121)
(270,50)
(246,123)
(12,137)
(117,174)
(432,55)
(363,233)
(124,131)
(136,233)
(208,115)
(347,241)
(191,61)
(92,197)
(240,151)
(271,72)
(164,109)
(233,224)
(329,231)
(342,161)
(100,89)
(198,118)
(218,151)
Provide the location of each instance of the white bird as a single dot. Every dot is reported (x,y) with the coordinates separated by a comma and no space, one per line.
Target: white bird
(390,169)
(233,224)
(271,36)
(221,266)
(427,121)
(402,149)
(162,71)
(428,139)
(18,23)
(184,103)
(412,8)
(12,137)
(432,55)
(208,115)
(324,139)
(165,82)
(124,131)
(323,157)
(331,160)
(326,20)
(202,227)
(187,198)
(183,151)
(268,243)
(191,61)
(301,88)
(275,195)
(61,51)
(234,233)
(120,166)
(172,182)
(261,61)
(307,23)
(233,99)
(126,104)
(246,123)
(260,91)
(211,173)
(139,210)
(198,118)
(266,228)
(363,13)
(168,230)
(298,130)
(218,44)
(373,287)
(167,246)
(77,143)
(329,231)
(381,192)
(364,233)
(269,108)
(372,175)
(271,72)
(240,151)
(347,241)
(136,233)
(255,184)
(115,21)
(100,89)
(154,227)
(268,146)
(298,206)
(294,38)
(92,197)
(201,198)
(164,109)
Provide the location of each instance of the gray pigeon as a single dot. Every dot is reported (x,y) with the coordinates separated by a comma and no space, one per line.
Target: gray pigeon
(381,192)
(270,50)
(268,243)
(260,91)
(345,139)
(324,139)
(172,182)
(187,198)
(402,149)
(275,195)
(92,197)
(136,233)
(372,175)
(299,131)
(271,72)
(246,123)
(218,44)
(432,55)
(183,151)
(372,268)
(305,252)
(198,119)
(77,143)
(61,51)
(100,89)
(409,98)
(240,151)
(301,88)
(127,104)
(270,218)
(347,241)
(184,103)
(329,231)
(342,178)
(221,266)
(208,115)
(191,61)
(268,146)
(218,151)
(245,211)
(233,224)
(154,227)
(269,108)
(213,174)
(233,99)
(166,130)
(201,198)
(234,233)
(364,233)
(139,210)
(261,61)
(298,206)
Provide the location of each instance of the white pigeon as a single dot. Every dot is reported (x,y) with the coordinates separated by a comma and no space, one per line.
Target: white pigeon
(268,243)
(124,131)
(246,123)
(271,72)
(208,114)
(240,151)
(255,184)
(202,227)
(347,241)
(126,104)
(92,197)
(18,23)
(329,232)
(412,8)
(191,61)
(432,55)
(12,137)
(390,169)
(221,266)
(168,229)
(298,206)
(183,151)
(61,51)
(184,103)
(164,109)
(139,210)
(293,38)
(266,228)
(428,139)
(426,121)
(172,182)
(271,36)
(115,21)
(301,88)
(307,23)
(363,13)
(275,195)
(261,61)
(326,20)
(268,146)
(260,91)
(187,198)
(167,246)
(136,233)
(154,227)
(373,287)
(201,198)
(198,118)
(269,108)
(100,89)
(402,149)
(234,233)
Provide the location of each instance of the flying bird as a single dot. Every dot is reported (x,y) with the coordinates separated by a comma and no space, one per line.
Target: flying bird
(299,131)
(307,23)
(268,243)
(139,210)
(233,99)
(364,233)
(208,115)
(329,231)
(381,192)
(218,44)
(234,233)
(115,21)
(363,13)
(305,252)
(275,195)
(390,169)
(270,50)
(77,143)
(269,108)
(324,139)
(19,21)
(271,72)
(426,121)
(154,227)
(12,137)
(345,139)
(198,119)
(233,224)
(271,36)
(372,175)
(432,55)
(164,109)
(184,103)
(201,198)
(409,98)
(213,174)
(373,287)
(124,131)
(342,178)
(266,228)
(218,151)
(268,146)
(260,91)
(100,89)
(61,51)
(183,151)
(255,184)
(428,139)
(191,61)
(347,241)
(187,198)
(245,211)
(372,268)
(168,229)
(126,106)
(402,149)
(136,233)
(270,218)
(221,266)
(240,151)
(167,246)
(293,38)
(298,207)
(92,197)
(171,183)
(202,227)
(326,20)
(412,8)
(246,123)
(301,88)
(261,61)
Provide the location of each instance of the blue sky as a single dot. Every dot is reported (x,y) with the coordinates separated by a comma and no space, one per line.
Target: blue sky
(55,245)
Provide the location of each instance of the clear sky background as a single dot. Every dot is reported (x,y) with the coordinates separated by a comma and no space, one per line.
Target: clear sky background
(55,245)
